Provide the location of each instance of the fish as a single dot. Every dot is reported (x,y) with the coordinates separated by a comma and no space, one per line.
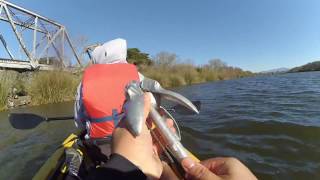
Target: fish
(154,86)
(134,108)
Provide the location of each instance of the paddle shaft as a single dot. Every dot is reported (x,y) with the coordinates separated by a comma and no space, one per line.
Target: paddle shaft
(198,103)
(59,118)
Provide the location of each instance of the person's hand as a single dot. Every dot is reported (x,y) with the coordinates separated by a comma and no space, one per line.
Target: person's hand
(138,150)
(216,169)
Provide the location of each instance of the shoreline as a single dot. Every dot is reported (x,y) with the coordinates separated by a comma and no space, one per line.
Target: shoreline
(44,87)
(34,104)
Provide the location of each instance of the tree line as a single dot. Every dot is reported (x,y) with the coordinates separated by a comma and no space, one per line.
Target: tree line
(171,71)
(57,86)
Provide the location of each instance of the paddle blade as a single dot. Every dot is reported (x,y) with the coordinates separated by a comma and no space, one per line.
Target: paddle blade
(25,120)
(185,111)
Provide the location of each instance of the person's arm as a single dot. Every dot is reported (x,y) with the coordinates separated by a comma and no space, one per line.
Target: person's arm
(118,167)
(79,109)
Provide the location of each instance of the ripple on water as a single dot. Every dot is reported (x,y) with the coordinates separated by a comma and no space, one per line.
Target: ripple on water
(270,123)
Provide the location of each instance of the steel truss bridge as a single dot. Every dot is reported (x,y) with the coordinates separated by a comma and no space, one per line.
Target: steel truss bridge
(46,48)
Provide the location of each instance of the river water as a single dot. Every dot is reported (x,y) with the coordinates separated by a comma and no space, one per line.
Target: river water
(270,123)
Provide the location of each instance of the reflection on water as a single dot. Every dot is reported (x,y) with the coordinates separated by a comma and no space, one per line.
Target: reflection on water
(271,123)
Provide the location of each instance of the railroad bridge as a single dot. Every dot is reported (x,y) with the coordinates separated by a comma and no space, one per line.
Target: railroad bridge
(43,43)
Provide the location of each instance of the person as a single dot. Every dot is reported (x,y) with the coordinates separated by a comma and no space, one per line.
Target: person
(141,160)
(100,95)
(100,98)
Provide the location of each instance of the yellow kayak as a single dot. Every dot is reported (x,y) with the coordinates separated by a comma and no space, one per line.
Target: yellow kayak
(55,167)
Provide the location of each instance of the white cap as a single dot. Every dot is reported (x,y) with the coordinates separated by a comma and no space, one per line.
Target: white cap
(114,51)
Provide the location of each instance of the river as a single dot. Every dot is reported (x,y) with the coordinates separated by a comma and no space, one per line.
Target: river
(271,123)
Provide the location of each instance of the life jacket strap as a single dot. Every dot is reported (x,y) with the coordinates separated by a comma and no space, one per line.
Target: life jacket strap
(116,117)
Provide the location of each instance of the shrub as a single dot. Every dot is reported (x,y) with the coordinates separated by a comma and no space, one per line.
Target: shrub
(52,87)
(176,81)
(8,80)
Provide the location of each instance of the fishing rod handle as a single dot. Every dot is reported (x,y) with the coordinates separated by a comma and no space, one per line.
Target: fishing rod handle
(174,145)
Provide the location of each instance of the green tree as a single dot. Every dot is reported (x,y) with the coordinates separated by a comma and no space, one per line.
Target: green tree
(135,56)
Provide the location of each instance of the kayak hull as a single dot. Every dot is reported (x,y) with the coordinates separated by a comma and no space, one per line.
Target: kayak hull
(53,167)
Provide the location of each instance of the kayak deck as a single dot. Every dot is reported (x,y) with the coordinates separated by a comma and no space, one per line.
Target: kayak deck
(55,167)
(55,162)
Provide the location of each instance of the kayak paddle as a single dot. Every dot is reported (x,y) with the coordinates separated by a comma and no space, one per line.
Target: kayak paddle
(29,120)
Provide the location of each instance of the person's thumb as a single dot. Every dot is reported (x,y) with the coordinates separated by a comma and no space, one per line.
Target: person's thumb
(197,171)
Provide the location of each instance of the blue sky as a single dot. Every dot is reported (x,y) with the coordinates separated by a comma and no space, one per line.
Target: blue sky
(250,34)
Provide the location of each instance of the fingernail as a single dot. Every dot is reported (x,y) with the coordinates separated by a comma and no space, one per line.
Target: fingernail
(187,163)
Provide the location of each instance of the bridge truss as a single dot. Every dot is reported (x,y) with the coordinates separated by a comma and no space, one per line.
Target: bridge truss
(45,48)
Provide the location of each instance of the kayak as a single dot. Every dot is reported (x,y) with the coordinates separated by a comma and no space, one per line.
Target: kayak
(55,167)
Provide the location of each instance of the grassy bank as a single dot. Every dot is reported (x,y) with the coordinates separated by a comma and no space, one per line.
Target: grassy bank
(172,71)
(187,74)
(58,86)
(43,87)
(52,87)
(7,80)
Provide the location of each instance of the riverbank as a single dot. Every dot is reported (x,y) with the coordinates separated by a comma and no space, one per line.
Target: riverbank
(45,87)
(187,74)
(42,87)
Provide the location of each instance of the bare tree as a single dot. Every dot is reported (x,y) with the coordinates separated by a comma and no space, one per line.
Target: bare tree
(188,61)
(217,64)
(165,59)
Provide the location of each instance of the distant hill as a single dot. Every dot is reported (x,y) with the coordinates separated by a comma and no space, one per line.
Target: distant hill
(275,71)
(313,66)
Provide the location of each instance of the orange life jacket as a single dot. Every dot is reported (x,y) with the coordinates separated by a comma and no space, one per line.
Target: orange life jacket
(103,95)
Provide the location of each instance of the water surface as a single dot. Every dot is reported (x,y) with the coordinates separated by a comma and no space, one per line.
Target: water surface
(271,123)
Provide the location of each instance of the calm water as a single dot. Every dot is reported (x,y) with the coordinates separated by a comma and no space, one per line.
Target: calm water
(271,123)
